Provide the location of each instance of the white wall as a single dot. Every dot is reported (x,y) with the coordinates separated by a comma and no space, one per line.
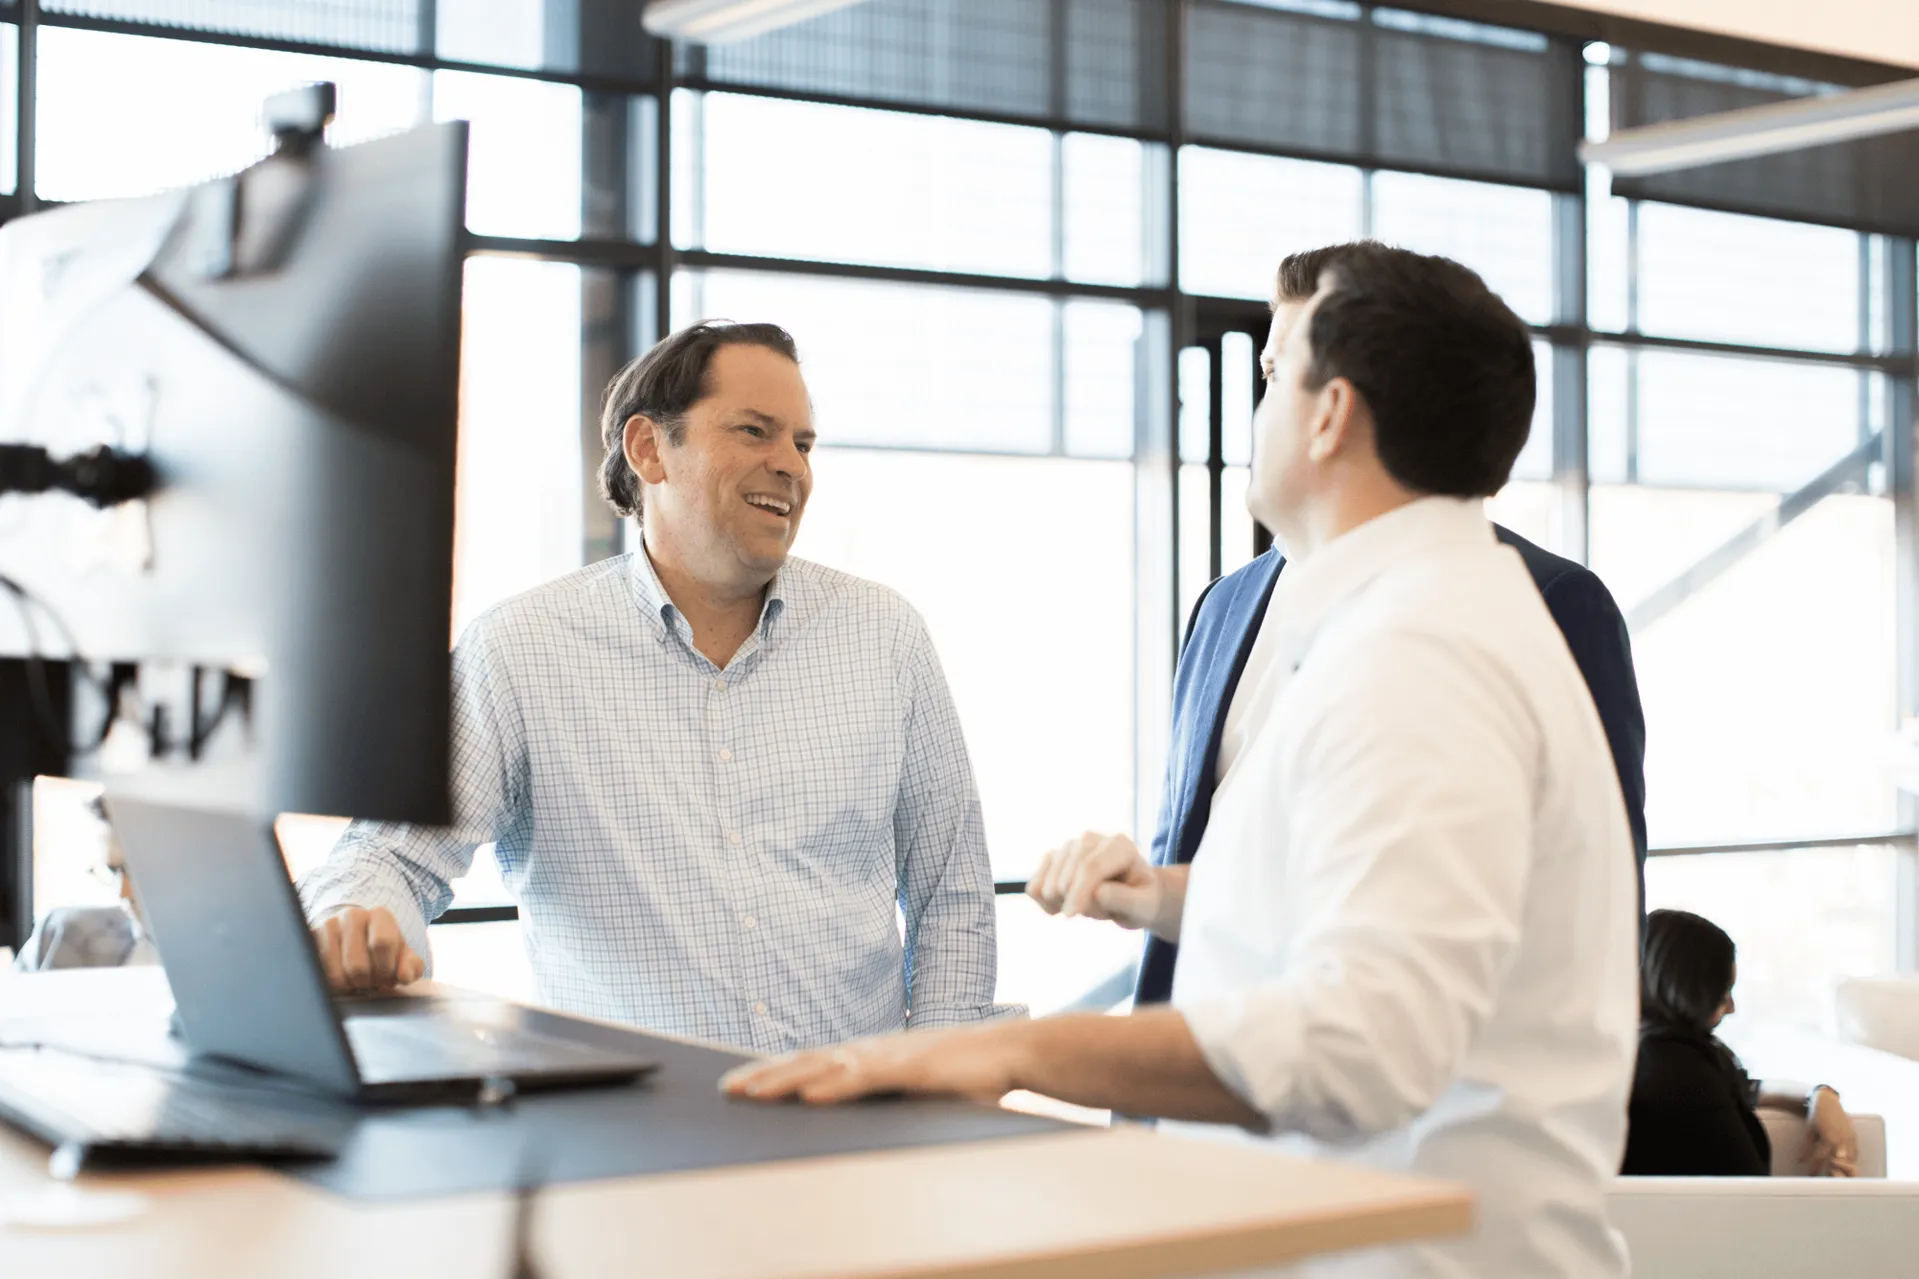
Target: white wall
(1880,30)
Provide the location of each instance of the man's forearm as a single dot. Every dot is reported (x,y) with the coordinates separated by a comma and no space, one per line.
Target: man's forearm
(1144,1064)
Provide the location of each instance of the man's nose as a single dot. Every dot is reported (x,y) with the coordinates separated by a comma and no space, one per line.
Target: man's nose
(789,462)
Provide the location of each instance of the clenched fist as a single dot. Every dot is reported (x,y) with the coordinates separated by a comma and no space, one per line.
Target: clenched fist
(1106,877)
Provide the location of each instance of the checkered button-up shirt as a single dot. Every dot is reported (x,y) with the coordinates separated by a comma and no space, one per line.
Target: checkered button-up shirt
(722,853)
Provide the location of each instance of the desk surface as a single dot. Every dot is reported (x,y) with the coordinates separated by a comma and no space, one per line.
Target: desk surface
(1053,1205)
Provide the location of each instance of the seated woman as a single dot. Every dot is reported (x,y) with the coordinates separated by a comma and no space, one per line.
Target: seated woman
(92,936)
(1694,1111)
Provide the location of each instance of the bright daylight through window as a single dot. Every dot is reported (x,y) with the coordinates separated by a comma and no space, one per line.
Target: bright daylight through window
(1029,284)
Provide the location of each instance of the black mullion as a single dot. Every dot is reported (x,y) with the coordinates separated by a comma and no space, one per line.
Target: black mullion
(1902,418)
(1179,311)
(26,82)
(1876,839)
(1368,96)
(706,260)
(1215,449)
(1774,215)
(1891,363)
(1570,410)
(663,259)
(1056,198)
(1262,536)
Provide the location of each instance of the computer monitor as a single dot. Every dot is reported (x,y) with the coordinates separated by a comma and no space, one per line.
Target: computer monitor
(280,351)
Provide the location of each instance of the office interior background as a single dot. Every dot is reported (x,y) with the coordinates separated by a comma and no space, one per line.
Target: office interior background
(1025,247)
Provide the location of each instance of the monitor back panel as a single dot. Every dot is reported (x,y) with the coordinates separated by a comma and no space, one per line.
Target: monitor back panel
(303,422)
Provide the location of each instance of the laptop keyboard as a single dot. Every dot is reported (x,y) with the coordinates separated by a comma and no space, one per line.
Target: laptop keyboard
(67,1098)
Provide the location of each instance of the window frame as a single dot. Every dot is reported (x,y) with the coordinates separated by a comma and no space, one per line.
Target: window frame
(627,176)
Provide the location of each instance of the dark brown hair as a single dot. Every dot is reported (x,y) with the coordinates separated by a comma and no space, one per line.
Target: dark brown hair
(663,384)
(1444,364)
(1685,970)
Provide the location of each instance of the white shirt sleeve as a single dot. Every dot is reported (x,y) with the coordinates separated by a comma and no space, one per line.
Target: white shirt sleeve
(1407,797)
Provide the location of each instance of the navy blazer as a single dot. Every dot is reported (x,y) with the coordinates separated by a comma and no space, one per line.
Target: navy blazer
(1220,636)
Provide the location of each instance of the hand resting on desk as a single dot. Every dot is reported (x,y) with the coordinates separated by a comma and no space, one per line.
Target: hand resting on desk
(363,950)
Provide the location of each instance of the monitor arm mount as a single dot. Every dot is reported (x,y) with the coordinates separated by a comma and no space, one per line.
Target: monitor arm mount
(103,476)
(249,222)
(246,224)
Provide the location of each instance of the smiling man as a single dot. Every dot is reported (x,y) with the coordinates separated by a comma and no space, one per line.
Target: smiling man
(715,776)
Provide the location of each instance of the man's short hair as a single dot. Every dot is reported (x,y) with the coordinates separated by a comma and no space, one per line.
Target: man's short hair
(663,384)
(1444,364)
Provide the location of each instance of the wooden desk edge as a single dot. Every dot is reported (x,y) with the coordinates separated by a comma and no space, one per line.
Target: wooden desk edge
(1443,1215)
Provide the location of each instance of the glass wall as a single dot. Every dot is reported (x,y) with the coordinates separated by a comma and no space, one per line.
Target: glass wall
(1030,328)
(1739,509)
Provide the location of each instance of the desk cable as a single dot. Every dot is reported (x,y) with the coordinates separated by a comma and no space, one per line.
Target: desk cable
(498,1093)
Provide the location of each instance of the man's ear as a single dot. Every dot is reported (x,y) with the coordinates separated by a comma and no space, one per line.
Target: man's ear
(1334,421)
(642,441)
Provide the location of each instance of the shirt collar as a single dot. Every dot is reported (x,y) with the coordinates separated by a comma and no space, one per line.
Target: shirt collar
(1311,588)
(659,609)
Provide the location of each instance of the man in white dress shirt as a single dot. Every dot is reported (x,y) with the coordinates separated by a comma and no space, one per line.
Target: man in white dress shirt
(1409,937)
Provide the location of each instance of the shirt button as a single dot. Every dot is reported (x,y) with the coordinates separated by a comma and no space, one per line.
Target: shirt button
(726,756)
(760,1008)
(733,837)
(750,922)
(719,686)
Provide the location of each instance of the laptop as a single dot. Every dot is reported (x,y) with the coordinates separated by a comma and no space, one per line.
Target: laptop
(96,1112)
(249,989)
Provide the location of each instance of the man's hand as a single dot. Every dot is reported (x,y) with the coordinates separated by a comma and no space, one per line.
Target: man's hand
(1106,877)
(364,950)
(978,1062)
(1835,1145)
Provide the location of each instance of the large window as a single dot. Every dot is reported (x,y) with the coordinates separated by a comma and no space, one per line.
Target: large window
(9,99)
(98,137)
(765,177)
(1764,645)
(795,180)
(521,493)
(893,364)
(1739,509)
(1023,570)
(1504,233)
(1802,918)
(1030,326)
(1726,278)
(1239,214)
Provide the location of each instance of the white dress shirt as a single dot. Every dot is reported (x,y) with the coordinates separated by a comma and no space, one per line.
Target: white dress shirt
(1410,934)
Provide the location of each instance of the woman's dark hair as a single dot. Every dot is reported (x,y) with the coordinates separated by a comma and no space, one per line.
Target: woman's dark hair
(663,384)
(1685,971)
(1445,366)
